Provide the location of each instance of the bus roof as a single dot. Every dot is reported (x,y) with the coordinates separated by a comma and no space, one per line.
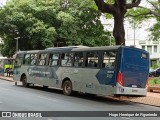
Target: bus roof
(67,47)
(77,48)
(30,51)
(97,48)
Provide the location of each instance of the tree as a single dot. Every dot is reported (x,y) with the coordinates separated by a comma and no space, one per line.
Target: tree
(17,20)
(154,11)
(42,23)
(151,11)
(118,9)
(82,24)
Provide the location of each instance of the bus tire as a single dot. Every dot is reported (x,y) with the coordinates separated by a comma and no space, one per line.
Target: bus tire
(24,82)
(45,87)
(15,83)
(67,87)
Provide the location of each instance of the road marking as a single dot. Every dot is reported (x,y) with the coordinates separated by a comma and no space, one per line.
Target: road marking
(47,99)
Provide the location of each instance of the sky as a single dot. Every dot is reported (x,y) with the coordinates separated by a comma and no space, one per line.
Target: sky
(2,2)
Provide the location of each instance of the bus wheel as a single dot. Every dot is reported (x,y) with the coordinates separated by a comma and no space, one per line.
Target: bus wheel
(45,87)
(15,83)
(67,87)
(24,81)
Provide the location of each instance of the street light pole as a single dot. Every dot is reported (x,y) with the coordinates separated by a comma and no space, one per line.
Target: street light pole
(134,25)
(110,43)
(134,34)
(17,43)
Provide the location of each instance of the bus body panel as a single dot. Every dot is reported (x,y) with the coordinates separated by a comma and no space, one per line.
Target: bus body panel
(134,67)
(42,75)
(83,81)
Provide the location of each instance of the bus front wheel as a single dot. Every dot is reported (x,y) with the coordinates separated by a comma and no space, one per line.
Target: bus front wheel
(67,87)
(24,81)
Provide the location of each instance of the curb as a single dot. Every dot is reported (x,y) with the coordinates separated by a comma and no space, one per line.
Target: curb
(7,79)
(153,88)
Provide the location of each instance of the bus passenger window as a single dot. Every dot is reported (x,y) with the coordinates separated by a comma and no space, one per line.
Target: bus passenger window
(27,59)
(33,59)
(109,59)
(42,59)
(53,59)
(78,59)
(92,59)
(67,59)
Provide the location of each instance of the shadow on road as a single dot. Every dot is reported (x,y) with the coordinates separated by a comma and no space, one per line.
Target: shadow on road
(91,97)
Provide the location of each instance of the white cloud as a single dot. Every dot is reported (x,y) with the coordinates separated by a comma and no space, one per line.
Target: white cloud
(2,2)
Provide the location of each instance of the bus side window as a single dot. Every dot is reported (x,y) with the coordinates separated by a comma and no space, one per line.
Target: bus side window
(54,59)
(109,59)
(67,59)
(27,59)
(92,59)
(78,59)
(42,59)
(33,59)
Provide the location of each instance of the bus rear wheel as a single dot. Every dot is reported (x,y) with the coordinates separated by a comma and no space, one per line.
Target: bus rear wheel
(67,87)
(24,81)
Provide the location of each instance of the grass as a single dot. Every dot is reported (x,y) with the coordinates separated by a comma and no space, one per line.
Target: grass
(154,81)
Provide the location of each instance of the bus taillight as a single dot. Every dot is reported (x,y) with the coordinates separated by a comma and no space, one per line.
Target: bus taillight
(120,78)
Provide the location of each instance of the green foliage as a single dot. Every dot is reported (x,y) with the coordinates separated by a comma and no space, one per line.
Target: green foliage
(155,65)
(110,1)
(138,13)
(136,16)
(154,81)
(155,30)
(43,23)
(141,14)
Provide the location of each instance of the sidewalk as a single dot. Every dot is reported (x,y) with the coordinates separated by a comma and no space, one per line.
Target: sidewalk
(151,98)
(7,78)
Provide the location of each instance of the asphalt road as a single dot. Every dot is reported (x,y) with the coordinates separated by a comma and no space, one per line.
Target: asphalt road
(18,98)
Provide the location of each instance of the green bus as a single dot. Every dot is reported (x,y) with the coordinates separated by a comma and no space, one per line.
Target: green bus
(108,70)
(6,64)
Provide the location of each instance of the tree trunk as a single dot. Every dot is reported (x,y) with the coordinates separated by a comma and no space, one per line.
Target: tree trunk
(118,10)
(118,30)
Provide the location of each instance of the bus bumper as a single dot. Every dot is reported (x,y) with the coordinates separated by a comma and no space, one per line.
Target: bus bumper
(129,91)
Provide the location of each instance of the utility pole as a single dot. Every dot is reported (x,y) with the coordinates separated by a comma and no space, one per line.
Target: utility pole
(16,43)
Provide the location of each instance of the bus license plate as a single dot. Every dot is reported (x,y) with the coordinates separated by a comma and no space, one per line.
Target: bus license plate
(134,90)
